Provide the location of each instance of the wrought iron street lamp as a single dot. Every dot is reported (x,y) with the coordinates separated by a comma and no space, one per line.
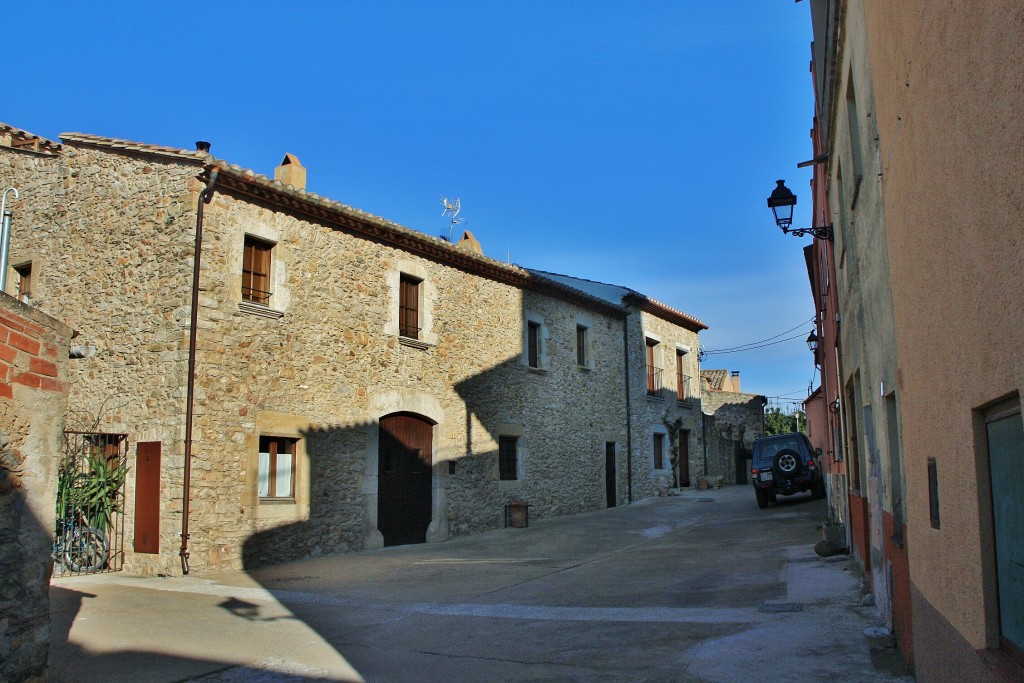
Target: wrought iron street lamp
(812,342)
(781,202)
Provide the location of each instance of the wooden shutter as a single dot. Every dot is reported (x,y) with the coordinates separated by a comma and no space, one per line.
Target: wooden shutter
(147,497)
(408,307)
(256,271)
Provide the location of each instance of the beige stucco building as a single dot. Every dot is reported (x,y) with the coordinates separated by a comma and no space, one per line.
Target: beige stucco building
(356,383)
(919,112)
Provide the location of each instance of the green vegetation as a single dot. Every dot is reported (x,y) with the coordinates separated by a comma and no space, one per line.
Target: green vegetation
(778,422)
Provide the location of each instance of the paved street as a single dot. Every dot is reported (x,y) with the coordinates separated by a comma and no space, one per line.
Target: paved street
(699,587)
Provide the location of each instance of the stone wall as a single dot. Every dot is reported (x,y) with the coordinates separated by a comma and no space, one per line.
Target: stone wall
(664,411)
(731,423)
(110,239)
(33,395)
(333,364)
(110,235)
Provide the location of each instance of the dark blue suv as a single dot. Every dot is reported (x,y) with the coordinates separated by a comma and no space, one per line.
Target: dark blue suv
(785,464)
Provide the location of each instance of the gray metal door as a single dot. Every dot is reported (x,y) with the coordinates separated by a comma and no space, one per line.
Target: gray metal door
(1006,464)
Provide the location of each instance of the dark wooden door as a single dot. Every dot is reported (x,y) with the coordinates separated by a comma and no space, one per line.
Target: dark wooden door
(147,497)
(404,478)
(609,473)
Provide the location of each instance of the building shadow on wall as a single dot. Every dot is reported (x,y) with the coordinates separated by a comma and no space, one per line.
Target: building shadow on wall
(342,480)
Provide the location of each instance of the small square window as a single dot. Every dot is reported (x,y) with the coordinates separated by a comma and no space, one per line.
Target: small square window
(256,265)
(276,478)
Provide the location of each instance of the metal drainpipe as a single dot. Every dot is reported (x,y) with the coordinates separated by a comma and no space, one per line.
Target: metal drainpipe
(5,235)
(629,413)
(205,197)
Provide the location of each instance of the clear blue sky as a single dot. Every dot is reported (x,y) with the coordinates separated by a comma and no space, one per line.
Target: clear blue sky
(627,142)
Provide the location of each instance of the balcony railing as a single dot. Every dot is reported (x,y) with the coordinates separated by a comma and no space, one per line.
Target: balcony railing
(683,387)
(654,385)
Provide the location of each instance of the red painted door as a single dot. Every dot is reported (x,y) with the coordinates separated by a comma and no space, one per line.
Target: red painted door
(404,478)
(147,497)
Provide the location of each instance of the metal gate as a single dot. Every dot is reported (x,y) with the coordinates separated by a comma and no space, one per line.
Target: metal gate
(89,529)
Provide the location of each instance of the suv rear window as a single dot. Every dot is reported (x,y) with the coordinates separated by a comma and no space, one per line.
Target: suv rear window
(767,450)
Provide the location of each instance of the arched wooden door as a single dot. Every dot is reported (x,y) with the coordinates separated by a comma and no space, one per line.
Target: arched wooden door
(404,478)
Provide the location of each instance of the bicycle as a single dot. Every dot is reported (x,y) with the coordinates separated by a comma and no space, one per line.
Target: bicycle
(78,546)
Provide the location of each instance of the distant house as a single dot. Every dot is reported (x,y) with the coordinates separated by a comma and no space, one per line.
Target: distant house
(352,383)
(732,420)
(665,398)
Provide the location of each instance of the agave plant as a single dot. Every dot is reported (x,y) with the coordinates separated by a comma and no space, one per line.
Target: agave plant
(99,490)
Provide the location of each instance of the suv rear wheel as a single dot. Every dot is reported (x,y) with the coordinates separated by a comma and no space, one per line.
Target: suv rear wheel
(787,463)
(762,498)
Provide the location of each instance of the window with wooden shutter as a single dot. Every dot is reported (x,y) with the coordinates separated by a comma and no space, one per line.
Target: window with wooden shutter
(256,271)
(653,371)
(409,306)
(276,476)
(659,451)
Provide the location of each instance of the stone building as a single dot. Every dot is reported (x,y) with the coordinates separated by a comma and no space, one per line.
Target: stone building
(351,383)
(664,395)
(33,398)
(732,420)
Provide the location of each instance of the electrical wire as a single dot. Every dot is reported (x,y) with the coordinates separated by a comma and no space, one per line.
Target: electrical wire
(750,346)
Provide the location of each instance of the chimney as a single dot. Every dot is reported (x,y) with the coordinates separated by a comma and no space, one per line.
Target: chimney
(291,172)
(202,146)
(736,381)
(469,243)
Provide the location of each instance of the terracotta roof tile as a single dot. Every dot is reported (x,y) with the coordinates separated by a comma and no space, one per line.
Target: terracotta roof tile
(403,235)
(714,379)
(22,139)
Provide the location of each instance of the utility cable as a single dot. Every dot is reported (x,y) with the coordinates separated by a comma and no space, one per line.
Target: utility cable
(763,342)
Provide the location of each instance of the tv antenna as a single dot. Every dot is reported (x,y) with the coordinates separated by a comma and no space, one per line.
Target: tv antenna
(452,208)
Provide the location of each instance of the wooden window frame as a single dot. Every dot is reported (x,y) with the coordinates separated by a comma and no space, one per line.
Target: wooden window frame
(658,450)
(682,379)
(409,306)
(582,342)
(508,458)
(257,270)
(24,272)
(654,379)
(533,340)
(273,448)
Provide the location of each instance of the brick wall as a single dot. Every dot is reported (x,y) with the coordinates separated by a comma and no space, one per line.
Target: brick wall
(33,398)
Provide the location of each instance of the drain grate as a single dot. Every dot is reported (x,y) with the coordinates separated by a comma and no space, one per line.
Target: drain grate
(782,607)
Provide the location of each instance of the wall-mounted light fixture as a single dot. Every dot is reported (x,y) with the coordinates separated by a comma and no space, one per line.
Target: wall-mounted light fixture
(812,342)
(781,202)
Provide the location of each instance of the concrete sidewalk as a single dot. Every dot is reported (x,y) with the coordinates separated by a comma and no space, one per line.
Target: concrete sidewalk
(672,589)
